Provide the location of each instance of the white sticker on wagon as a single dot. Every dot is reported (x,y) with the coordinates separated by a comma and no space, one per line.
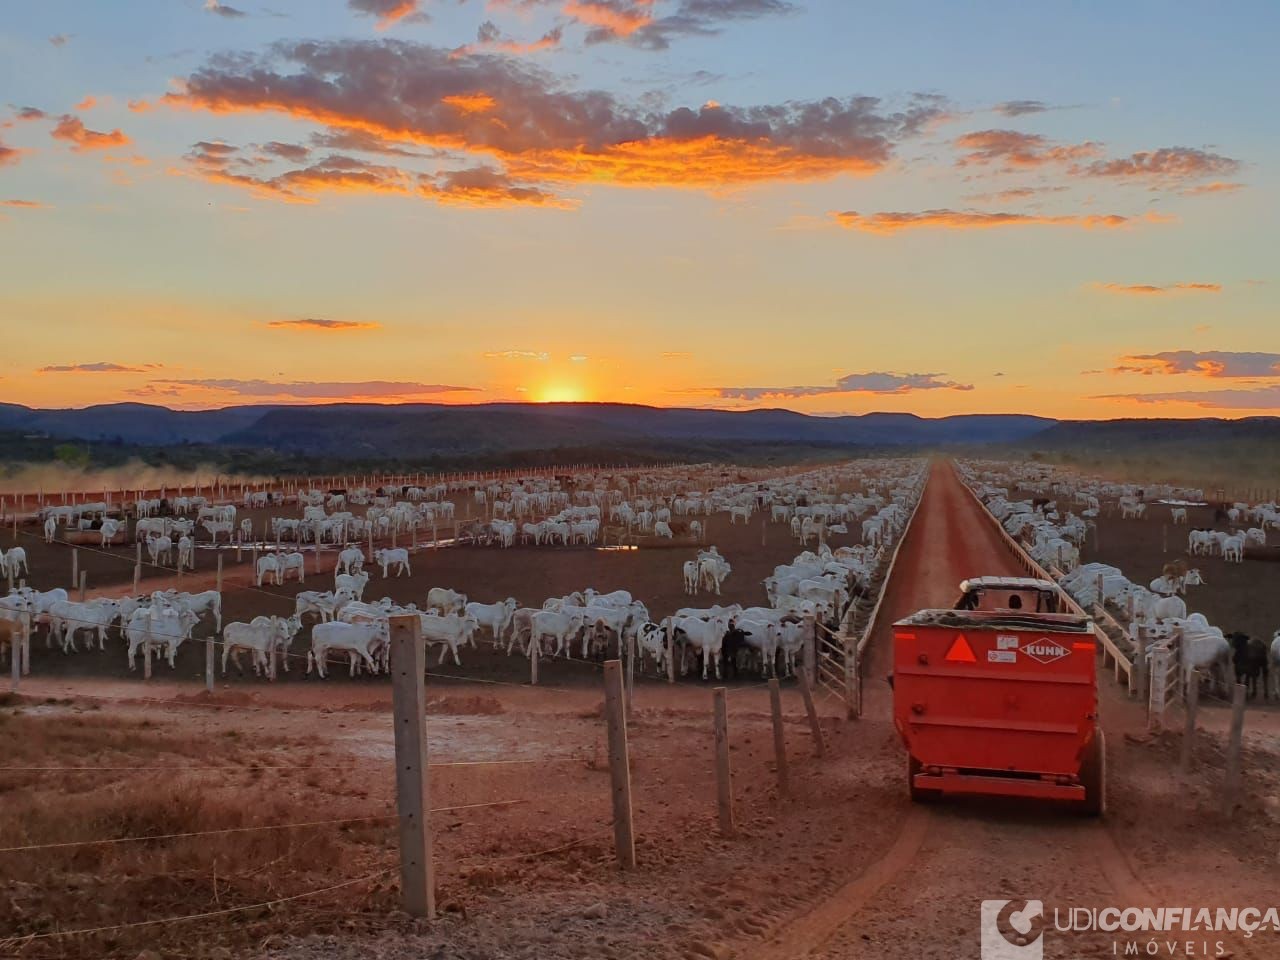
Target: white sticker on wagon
(1002,656)
(1006,642)
(1045,650)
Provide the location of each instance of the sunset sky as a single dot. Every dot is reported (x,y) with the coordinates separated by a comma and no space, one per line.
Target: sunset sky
(825,205)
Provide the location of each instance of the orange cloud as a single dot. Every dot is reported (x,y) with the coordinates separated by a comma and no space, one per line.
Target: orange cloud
(894,222)
(1149,289)
(1166,165)
(9,155)
(88,103)
(1217,186)
(543,133)
(471,102)
(1014,150)
(489,37)
(1206,363)
(24,204)
(388,12)
(619,19)
(72,130)
(140,106)
(482,187)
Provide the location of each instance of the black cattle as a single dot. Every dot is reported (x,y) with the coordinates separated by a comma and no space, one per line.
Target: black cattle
(735,641)
(1250,660)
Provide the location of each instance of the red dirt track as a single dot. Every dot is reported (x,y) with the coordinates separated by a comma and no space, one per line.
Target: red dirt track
(845,867)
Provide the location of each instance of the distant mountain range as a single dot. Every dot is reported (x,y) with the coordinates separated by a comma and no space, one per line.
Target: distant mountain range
(408,430)
(368,432)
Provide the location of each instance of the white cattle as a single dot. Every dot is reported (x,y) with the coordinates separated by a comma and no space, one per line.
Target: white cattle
(562,625)
(616,598)
(1233,548)
(691,577)
(217,527)
(158,625)
(207,601)
(1201,541)
(66,617)
(352,584)
(393,557)
(50,528)
(760,636)
(358,640)
(662,529)
(1166,608)
(324,603)
(186,553)
(446,600)
(160,549)
(109,529)
(451,631)
(258,637)
(292,563)
(1178,515)
(792,637)
(350,560)
(712,571)
(739,512)
(704,636)
(14,562)
(268,566)
(495,616)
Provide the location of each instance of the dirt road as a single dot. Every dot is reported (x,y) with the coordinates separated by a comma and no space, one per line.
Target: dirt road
(921,898)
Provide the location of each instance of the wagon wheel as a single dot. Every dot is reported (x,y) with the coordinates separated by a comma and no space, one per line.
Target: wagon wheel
(1093,776)
(918,794)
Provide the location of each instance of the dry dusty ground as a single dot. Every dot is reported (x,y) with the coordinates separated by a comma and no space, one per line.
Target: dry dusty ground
(845,867)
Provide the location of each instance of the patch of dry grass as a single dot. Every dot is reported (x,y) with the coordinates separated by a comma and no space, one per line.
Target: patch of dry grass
(81,886)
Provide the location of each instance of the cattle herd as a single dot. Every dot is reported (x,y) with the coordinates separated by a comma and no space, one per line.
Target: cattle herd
(1052,511)
(366,528)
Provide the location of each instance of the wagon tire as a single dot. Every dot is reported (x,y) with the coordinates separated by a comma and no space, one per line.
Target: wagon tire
(1093,776)
(918,794)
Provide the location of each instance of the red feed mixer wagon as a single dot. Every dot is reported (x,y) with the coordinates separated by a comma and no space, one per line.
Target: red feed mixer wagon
(999,697)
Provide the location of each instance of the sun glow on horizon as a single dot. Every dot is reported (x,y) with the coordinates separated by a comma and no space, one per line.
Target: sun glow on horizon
(561,393)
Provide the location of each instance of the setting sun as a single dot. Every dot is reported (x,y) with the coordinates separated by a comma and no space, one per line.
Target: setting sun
(561,393)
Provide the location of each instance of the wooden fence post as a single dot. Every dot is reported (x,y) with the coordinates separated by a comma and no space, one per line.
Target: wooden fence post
(15,659)
(84,576)
(779,738)
(208,664)
(619,765)
(631,672)
(535,650)
(75,566)
(819,742)
(809,652)
(1231,781)
(1191,703)
(409,710)
(724,783)
(1142,688)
